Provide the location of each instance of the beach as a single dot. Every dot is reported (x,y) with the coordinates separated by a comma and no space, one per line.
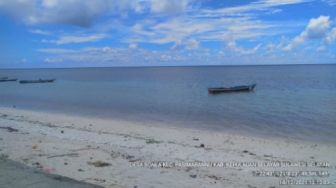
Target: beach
(115,153)
(16,175)
(167,94)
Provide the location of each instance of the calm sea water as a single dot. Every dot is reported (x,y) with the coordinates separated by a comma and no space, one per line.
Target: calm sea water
(297,101)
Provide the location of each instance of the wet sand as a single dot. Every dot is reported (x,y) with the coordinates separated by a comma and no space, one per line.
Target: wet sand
(115,153)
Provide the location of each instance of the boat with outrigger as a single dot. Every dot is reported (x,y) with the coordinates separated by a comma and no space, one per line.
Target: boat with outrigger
(37,81)
(242,88)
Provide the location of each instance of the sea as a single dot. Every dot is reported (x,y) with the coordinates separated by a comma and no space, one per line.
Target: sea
(289,101)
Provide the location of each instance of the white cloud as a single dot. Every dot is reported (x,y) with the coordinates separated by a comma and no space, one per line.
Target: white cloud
(317,28)
(261,5)
(110,56)
(331,37)
(79,39)
(182,29)
(243,51)
(270,47)
(56,50)
(192,44)
(133,46)
(232,23)
(330,2)
(113,56)
(73,12)
(295,42)
(49,3)
(178,29)
(84,12)
(40,32)
(97,56)
(53,60)
(221,24)
(177,45)
(169,6)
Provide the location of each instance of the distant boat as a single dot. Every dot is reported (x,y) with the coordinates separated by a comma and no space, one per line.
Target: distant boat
(5,79)
(36,81)
(244,88)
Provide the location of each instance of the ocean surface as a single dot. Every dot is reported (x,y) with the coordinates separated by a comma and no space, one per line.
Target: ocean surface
(295,101)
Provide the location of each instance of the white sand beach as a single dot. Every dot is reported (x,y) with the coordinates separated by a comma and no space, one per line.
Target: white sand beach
(110,153)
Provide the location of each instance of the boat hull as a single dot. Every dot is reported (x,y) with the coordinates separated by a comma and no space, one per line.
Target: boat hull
(8,80)
(36,81)
(217,90)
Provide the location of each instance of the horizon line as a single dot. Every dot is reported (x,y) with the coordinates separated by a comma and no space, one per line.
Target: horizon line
(166,66)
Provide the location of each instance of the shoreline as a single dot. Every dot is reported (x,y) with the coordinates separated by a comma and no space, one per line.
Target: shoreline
(175,125)
(105,152)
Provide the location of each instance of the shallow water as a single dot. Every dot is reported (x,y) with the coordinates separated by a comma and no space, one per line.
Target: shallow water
(297,101)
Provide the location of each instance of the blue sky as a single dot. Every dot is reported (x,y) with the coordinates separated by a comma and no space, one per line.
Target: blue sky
(100,33)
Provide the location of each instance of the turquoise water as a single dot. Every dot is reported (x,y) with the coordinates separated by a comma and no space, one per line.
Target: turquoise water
(297,101)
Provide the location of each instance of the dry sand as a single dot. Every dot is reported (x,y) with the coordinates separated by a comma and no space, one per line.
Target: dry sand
(115,153)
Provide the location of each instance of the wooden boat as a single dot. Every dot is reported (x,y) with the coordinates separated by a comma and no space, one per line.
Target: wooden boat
(8,80)
(36,81)
(244,88)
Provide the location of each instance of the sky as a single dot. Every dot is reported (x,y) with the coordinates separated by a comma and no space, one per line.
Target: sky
(108,33)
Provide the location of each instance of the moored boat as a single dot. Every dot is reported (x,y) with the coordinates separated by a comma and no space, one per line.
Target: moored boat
(8,80)
(243,88)
(36,81)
